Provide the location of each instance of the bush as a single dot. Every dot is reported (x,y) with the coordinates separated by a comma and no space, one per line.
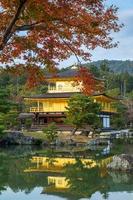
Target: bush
(124,141)
(28,123)
(51,132)
(1,130)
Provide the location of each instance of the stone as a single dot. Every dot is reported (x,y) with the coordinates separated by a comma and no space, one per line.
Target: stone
(123,162)
(17,138)
(119,177)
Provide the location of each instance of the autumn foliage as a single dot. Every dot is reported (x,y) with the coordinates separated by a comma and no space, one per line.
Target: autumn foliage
(38,33)
(89,84)
(87,81)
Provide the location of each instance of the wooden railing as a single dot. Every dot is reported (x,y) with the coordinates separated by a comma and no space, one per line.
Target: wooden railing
(111,110)
(36,109)
(64,89)
(104,109)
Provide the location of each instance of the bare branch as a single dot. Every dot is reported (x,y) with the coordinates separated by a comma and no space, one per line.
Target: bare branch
(27,27)
(79,62)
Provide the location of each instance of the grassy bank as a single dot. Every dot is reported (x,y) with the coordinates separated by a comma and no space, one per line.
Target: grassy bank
(35,134)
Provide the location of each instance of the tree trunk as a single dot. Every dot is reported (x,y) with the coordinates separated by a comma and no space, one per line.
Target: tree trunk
(74,130)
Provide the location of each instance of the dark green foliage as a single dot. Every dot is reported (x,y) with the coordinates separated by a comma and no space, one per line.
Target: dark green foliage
(51,132)
(16,84)
(1,130)
(84,181)
(10,119)
(94,70)
(4,101)
(12,90)
(119,120)
(8,111)
(28,123)
(82,110)
(4,108)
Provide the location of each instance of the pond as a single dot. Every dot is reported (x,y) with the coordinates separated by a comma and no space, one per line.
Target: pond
(28,174)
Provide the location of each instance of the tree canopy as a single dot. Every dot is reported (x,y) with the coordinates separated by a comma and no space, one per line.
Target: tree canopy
(8,110)
(4,107)
(82,110)
(51,132)
(36,33)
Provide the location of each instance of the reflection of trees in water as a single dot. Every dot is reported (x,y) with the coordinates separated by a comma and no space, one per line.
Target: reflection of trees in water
(51,157)
(84,181)
(105,195)
(12,175)
(3,171)
(13,162)
(19,150)
(119,177)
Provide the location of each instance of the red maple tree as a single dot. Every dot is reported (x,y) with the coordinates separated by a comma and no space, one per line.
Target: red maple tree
(36,33)
(89,84)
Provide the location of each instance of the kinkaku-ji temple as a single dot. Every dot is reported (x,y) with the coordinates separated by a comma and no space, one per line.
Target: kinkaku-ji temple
(51,106)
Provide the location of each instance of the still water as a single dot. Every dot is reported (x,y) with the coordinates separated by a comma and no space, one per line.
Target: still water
(58,176)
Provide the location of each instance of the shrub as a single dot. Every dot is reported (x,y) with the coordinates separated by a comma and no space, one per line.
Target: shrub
(28,123)
(1,130)
(51,132)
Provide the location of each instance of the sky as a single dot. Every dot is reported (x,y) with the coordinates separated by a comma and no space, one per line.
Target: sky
(124,51)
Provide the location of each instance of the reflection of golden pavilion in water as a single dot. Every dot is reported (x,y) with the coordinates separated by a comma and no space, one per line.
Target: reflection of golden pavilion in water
(56,164)
(58,182)
(50,164)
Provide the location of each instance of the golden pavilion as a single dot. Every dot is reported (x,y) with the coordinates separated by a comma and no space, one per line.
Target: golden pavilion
(51,106)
